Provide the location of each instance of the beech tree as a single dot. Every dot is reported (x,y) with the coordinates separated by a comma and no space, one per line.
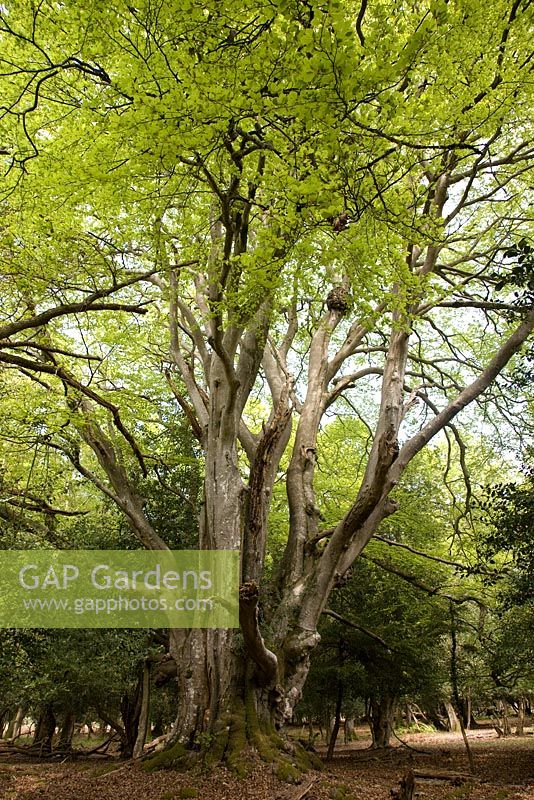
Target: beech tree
(288,206)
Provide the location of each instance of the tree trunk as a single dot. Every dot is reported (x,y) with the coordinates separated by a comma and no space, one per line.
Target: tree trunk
(3,717)
(520,728)
(15,724)
(466,705)
(44,732)
(144,712)
(502,725)
(381,719)
(217,682)
(21,713)
(348,730)
(337,721)
(454,722)
(10,727)
(130,711)
(67,731)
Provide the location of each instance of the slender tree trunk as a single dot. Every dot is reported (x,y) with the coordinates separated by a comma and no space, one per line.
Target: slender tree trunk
(505,727)
(130,712)
(337,721)
(10,727)
(327,726)
(455,690)
(452,716)
(21,713)
(520,728)
(467,707)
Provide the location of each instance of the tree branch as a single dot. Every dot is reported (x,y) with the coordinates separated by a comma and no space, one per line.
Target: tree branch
(351,624)
(265,661)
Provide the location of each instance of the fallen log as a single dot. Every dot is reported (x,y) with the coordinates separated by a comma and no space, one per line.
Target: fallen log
(454,777)
(156,742)
(301,791)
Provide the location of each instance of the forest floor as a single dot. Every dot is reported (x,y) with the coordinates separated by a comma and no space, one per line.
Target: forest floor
(504,771)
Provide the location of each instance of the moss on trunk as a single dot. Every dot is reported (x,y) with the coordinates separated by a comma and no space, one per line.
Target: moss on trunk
(175,757)
(239,739)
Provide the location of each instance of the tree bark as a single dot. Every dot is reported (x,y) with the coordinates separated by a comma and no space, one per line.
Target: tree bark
(44,732)
(337,721)
(67,730)
(130,712)
(454,722)
(520,727)
(21,713)
(381,719)
(144,713)
(10,727)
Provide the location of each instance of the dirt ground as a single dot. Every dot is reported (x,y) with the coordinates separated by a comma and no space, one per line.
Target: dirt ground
(504,771)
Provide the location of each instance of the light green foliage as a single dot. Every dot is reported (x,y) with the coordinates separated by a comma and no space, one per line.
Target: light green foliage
(185,186)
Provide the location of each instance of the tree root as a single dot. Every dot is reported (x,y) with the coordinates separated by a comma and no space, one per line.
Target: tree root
(239,740)
(175,757)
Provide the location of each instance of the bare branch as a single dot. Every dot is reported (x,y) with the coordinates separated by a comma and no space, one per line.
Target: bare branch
(413,580)
(351,624)
(70,380)
(474,390)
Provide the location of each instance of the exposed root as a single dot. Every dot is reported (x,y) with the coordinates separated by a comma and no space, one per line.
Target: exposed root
(175,757)
(239,740)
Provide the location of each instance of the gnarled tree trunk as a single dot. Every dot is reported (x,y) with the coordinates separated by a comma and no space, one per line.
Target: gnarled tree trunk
(382,718)
(44,732)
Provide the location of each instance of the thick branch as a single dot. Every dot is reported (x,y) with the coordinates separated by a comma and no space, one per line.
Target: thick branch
(265,661)
(69,380)
(510,347)
(89,304)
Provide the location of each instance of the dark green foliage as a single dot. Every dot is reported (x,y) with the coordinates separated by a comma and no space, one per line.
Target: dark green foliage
(80,669)
(409,661)
(509,511)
